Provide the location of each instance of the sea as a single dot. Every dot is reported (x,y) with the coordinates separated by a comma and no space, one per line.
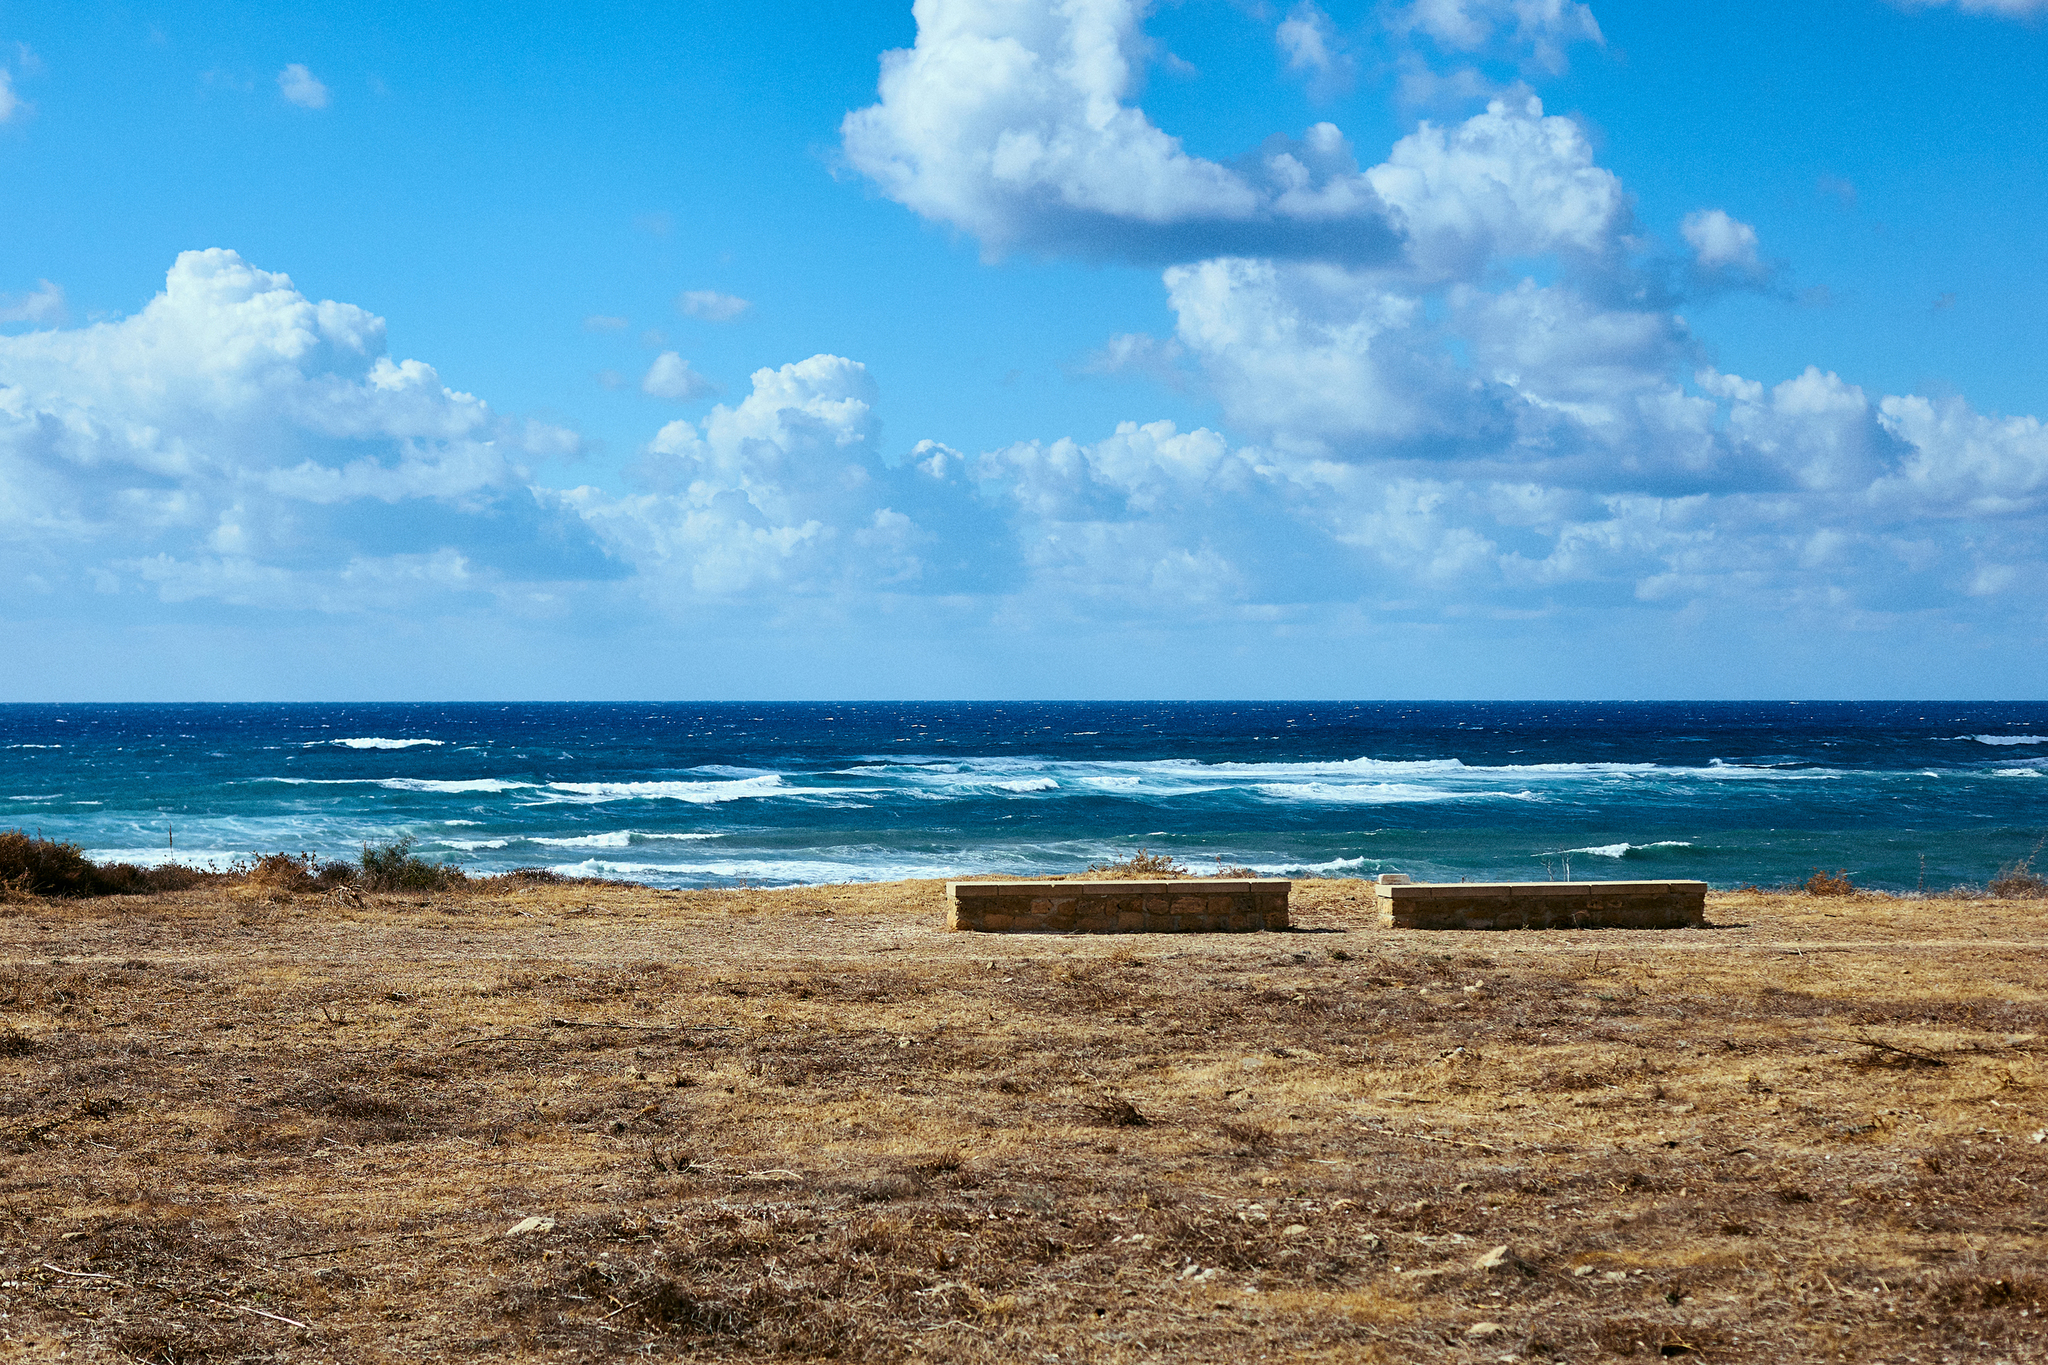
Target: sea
(1900,795)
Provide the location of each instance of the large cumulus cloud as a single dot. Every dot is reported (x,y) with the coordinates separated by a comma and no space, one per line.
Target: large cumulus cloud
(237,440)
(1480,396)
(1008,119)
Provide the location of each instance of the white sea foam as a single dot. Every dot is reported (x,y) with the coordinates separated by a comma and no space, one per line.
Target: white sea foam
(462,822)
(2003,740)
(802,871)
(616,839)
(479,784)
(698,793)
(35,746)
(1995,772)
(1356,780)
(1284,869)
(52,796)
(376,742)
(470,845)
(205,859)
(1381,793)
(1623,850)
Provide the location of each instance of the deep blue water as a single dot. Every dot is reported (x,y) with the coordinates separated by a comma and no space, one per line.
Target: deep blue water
(697,794)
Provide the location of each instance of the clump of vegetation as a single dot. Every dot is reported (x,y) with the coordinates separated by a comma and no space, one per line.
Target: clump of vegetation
(45,867)
(2018,880)
(31,865)
(1140,864)
(1821,884)
(395,867)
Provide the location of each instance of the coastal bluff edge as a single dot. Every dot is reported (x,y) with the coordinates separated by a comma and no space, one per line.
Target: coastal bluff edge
(1073,905)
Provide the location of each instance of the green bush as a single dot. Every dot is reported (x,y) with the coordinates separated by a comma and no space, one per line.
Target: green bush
(395,868)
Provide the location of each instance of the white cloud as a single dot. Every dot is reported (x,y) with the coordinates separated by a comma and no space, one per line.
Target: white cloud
(2004,9)
(1135,353)
(711,305)
(1722,244)
(670,376)
(773,492)
(1009,122)
(10,103)
(237,433)
(1540,30)
(301,87)
(44,303)
(1311,44)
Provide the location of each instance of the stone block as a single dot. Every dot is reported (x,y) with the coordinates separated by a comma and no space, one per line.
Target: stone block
(1541,905)
(1077,905)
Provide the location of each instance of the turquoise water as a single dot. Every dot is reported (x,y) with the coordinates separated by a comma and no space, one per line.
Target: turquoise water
(694,794)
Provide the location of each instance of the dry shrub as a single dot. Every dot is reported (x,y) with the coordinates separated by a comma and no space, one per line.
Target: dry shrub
(1116,1112)
(34,866)
(45,867)
(1139,865)
(284,874)
(1821,884)
(1251,1137)
(2018,881)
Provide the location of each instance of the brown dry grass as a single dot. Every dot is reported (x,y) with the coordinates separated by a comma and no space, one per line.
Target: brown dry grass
(240,1123)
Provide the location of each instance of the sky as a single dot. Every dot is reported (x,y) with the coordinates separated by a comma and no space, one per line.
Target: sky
(1001,348)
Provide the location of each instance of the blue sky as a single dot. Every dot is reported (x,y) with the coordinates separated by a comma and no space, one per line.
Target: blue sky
(1511,348)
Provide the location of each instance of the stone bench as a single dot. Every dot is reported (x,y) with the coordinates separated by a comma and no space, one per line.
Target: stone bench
(1540,905)
(1183,905)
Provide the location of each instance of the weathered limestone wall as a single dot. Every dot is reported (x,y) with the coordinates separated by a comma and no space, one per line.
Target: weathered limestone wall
(1189,905)
(1541,905)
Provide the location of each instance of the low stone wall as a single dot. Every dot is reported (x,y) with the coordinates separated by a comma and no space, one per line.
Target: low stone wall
(1541,905)
(1189,905)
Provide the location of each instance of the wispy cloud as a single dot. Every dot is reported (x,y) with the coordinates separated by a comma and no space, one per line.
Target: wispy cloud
(43,304)
(711,305)
(301,87)
(2003,9)
(1313,48)
(670,376)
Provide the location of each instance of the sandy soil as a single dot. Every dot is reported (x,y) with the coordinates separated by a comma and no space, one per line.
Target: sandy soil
(239,1125)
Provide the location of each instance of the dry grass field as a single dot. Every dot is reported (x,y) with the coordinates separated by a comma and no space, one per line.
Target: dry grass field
(583,1122)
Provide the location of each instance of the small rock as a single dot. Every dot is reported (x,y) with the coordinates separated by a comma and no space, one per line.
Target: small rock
(1464,1187)
(2040,1135)
(1615,1276)
(1294,1230)
(526,1225)
(1371,1242)
(1500,1258)
(1583,1271)
(1484,1331)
